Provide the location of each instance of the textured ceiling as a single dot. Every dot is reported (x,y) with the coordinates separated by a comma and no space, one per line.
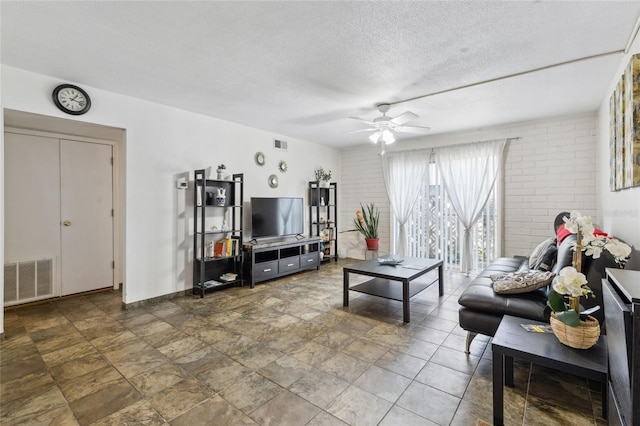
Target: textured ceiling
(299,69)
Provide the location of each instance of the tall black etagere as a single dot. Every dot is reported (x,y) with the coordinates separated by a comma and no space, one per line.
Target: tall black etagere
(217,249)
(323,217)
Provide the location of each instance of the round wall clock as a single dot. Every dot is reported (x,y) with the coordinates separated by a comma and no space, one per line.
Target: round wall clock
(71,99)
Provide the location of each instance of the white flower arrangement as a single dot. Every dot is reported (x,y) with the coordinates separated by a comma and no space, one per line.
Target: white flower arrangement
(593,245)
(571,281)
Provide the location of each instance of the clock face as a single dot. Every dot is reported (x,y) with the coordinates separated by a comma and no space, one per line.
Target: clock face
(71,99)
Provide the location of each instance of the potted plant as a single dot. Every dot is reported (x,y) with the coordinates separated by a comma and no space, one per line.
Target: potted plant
(323,177)
(366,222)
(570,322)
(220,171)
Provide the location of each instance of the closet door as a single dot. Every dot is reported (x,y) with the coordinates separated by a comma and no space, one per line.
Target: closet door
(86,213)
(31,217)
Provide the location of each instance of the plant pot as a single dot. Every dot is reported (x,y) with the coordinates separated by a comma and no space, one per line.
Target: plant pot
(582,336)
(372,243)
(324,184)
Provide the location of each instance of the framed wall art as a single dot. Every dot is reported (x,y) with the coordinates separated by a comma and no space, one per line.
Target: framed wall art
(624,129)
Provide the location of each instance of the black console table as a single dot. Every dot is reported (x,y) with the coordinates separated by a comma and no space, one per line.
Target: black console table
(513,341)
(273,259)
(622,319)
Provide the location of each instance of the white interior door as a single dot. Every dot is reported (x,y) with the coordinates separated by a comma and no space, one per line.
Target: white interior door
(86,213)
(31,217)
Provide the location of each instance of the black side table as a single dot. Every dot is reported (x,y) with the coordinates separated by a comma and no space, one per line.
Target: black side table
(513,341)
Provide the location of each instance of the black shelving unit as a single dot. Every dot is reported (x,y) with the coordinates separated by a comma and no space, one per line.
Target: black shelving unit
(323,217)
(210,260)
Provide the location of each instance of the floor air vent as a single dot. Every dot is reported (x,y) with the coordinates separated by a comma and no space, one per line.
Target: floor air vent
(28,281)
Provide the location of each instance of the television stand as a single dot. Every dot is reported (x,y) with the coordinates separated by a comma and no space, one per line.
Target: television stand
(273,259)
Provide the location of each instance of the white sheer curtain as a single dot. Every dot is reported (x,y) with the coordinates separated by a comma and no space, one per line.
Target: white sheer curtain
(404,174)
(468,173)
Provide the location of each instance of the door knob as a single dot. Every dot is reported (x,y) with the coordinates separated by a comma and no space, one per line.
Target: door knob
(67,223)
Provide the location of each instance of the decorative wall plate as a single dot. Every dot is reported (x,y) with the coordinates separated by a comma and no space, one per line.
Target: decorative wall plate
(273,181)
(282,166)
(259,157)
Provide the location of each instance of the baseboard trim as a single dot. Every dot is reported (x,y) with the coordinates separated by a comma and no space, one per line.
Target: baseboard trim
(155,300)
(55,299)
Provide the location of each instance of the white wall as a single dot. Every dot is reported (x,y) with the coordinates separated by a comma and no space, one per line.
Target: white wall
(1,211)
(550,169)
(163,143)
(618,211)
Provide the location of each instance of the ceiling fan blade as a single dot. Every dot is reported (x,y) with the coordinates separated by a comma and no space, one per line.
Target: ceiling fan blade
(412,129)
(405,117)
(361,130)
(363,120)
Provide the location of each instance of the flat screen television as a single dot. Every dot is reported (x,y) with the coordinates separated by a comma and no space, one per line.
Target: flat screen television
(276,217)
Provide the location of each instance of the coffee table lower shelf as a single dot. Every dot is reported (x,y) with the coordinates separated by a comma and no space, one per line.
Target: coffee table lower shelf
(390,289)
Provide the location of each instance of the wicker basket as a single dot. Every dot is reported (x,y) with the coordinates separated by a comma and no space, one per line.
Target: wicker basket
(581,337)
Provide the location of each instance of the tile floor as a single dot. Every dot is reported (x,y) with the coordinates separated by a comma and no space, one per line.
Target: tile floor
(284,353)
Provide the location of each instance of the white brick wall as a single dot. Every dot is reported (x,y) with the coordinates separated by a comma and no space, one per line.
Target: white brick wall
(362,183)
(551,168)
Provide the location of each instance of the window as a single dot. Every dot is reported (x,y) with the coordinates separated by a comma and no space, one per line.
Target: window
(434,230)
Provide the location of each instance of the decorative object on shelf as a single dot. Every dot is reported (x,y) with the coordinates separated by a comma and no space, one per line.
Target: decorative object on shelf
(259,158)
(322,201)
(209,249)
(273,181)
(71,99)
(366,222)
(221,196)
(323,177)
(220,171)
(282,166)
(570,322)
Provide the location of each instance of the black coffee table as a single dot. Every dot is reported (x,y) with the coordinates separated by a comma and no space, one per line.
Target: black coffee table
(513,341)
(388,278)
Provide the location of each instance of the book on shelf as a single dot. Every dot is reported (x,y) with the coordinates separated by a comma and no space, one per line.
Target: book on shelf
(235,245)
(228,251)
(211,284)
(330,233)
(220,248)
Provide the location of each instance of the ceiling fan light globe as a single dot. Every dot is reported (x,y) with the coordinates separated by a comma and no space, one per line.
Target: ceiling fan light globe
(375,137)
(387,137)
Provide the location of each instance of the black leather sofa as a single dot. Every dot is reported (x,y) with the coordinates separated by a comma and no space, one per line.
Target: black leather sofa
(482,309)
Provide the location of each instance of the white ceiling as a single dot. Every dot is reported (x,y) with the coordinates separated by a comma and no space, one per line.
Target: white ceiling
(299,69)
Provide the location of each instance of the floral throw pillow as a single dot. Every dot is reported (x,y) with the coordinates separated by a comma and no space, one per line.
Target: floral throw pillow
(521,282)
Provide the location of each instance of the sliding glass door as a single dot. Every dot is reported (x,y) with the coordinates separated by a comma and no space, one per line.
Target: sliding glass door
(434,230)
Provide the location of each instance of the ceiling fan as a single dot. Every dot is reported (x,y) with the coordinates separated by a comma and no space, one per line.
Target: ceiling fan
(385,126)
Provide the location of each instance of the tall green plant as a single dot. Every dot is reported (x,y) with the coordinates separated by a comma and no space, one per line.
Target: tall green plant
(366,221)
